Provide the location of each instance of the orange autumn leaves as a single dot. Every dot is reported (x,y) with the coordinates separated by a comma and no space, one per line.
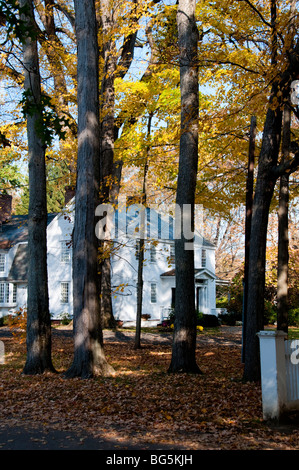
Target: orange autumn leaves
(142,401)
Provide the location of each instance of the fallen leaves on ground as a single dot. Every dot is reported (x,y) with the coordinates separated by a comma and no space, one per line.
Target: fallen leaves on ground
(142,402)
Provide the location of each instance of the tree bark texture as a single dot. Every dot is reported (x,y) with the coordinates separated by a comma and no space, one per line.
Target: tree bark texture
(137,342)
(283,210)
(258,240)
(283,229)
(107,148)
(38,316)
(248,217)
(137,339)
(184,341)
(268,173)
(89,358)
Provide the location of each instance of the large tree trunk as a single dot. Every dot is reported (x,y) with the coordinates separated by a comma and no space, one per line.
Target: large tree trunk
(38,316)
(107,149)
(184,341)
(89,358)
(248,217)
(51,47)
(268,173)
(258,240)
(111,170)
(283,211)
(283,235)
(137,342)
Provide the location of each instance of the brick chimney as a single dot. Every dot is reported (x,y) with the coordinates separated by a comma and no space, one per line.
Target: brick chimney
(70,192)
(5,207)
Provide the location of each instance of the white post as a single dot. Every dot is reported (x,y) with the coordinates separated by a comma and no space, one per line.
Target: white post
(2,353)
(273,373)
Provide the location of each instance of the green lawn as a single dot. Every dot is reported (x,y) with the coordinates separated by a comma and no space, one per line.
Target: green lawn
(293,331)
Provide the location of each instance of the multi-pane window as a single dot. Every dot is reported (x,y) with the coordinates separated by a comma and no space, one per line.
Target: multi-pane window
(2,292)
(153,254)
(171,254)
(153,293)
(65,253)
(203,258)
(137,249)
(14,294)
(2,262)
(64,292)
(8,293)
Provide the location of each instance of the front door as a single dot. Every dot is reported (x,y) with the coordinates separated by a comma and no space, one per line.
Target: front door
(201,298)
(172,297)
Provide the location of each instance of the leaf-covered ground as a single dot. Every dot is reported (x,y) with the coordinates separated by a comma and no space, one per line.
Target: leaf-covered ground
(142,402)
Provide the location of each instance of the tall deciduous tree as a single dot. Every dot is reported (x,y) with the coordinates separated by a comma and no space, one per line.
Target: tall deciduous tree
(38,316)
(283,235)
(269,170)
(141,246)
(116,63)
(89,358)
(184,342)
(283,210)
(107,101)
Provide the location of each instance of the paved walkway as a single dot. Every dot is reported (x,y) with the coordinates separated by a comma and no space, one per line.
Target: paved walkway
(230,336)
(14,437)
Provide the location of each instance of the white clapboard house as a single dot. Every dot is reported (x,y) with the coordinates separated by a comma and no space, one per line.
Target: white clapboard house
(158,270)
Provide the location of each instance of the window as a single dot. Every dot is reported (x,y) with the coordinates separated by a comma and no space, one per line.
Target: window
(2,262)
(171,254)
(64,292)
(153,254)
(153,293)
(173,297)
(203,258)
(8,293)
(14,294)
(2,292)
(137,249)
(65,253)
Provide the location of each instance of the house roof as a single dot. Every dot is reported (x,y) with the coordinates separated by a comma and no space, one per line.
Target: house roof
(15,230)
(197,273)
(157,226)
(19,267)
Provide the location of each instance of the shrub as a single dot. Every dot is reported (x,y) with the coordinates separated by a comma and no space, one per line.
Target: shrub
(270,313)
(17,324)
(202,320)
(207,320)
(222,302)
(235,304)
(171,316)
(4,321)
(293,317)
(230,318)
(65,318)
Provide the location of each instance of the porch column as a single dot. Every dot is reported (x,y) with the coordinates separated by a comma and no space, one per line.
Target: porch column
(273,373)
